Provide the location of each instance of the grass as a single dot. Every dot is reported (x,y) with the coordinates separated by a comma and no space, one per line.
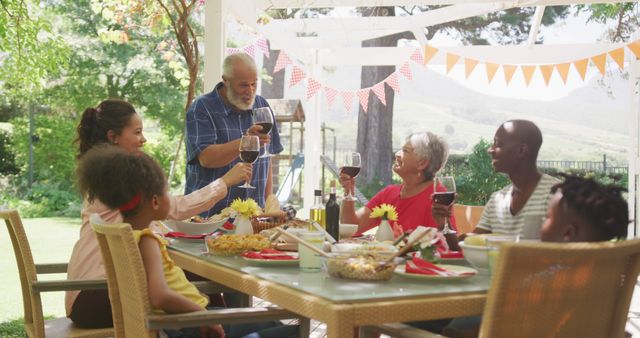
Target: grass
(51,241)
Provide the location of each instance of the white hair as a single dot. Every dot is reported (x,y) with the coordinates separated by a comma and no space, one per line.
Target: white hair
(231,60)
(432,148)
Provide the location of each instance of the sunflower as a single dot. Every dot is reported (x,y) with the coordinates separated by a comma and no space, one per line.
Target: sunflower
(386,211)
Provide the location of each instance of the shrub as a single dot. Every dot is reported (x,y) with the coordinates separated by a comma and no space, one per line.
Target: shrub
(7,155)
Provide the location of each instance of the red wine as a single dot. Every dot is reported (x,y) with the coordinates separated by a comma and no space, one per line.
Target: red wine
(351,171)
(444,198)
(266,127)
(249,156)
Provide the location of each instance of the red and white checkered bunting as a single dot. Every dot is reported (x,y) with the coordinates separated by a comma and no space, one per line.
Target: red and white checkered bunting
(296,76)
(392,81)
(250,50)
(417,57)
(263,46)
(406,71)
(331,95)
(378,90)
(347,100)
(232,50)
(363,96)
(312,87)
(282,61)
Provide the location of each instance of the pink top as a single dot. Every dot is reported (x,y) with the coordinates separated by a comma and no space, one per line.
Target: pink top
(86,260)
(412,211)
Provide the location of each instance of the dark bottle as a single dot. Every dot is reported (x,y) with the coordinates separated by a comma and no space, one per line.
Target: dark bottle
(332,210)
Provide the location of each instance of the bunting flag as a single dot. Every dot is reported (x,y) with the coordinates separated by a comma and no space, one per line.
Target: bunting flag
(546,71)
(282,61)
(618,56)
(581,67)
(527,71)
(563,70)
(263,46)
(634,47)
(363,96)
(250,50)
(469,65)
(296,76)
(492,68)
(508,70)
(378,90)
(312,87)
(331,95)
(347,99)
(452,59)
(392,81)
(416,56)
(599,61)
(406,71)
(429,53)
(232,50)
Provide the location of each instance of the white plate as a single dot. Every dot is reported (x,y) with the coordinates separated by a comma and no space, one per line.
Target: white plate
(188,240)
(271,262)
(192,228)
(453,268)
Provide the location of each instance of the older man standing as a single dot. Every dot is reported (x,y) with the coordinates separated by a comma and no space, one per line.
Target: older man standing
(521,207)
(215,123)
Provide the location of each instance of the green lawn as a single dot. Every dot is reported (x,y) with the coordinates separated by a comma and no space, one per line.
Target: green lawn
(51,241)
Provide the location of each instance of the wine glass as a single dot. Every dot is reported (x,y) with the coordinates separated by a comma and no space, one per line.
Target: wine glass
(249,151)
(444,193)
(351,167)
(262,116)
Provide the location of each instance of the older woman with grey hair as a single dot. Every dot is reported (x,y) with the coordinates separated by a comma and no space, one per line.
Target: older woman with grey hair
(417,163)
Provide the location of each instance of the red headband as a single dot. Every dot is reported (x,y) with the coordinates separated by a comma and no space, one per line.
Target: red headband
(132,204)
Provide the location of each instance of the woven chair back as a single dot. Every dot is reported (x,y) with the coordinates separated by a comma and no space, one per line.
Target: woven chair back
(562,290)
(126,278)
(33,318)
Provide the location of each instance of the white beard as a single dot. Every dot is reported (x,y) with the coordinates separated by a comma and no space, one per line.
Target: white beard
(237,101)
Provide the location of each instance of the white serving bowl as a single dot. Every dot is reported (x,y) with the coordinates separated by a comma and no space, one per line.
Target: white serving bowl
(193,228)
(476,255)
(347,230)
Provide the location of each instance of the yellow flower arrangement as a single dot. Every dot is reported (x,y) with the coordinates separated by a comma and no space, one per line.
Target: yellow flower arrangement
(386,211)
(246,208)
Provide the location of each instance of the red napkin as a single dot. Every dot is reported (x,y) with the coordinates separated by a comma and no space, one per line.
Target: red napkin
(419,266)
(228,225)
(177,234)
(270,254)
(449,254)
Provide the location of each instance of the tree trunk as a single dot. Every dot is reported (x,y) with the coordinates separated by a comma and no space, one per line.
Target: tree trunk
(374,142)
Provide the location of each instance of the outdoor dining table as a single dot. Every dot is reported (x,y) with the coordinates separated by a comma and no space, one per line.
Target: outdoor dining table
(341,304)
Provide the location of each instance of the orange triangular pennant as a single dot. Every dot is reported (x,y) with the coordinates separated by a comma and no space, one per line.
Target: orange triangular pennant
(492,68)
(618,56)
(581,67)
(469,65)
(546,71)
(599,61)
(635,48)
(508,70)
(563,70)
(429,52)
(527,71)
(452,59)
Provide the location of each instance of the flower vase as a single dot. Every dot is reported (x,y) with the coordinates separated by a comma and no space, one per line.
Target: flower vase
(243,226)
(384,233)
(429,254)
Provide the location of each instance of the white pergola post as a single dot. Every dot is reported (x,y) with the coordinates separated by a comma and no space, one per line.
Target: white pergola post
(634,147)
(215,41)
(312,146)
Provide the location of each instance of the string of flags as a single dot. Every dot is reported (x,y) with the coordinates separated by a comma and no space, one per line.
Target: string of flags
(423,57)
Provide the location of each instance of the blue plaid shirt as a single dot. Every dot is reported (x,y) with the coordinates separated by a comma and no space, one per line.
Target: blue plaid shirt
(210,121)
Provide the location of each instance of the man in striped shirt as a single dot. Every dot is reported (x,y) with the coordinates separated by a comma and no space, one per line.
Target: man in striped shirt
(521,207)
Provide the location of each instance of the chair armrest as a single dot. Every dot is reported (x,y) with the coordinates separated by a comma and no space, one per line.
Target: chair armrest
(51,268)
(69,285)
(209,287)
(222,316)
(398,330)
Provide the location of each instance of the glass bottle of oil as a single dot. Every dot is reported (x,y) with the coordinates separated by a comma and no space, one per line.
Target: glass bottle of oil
(317,212)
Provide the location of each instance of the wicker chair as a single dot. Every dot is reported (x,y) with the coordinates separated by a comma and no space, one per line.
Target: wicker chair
(556,290)
(467,217)
(34,323)
(132,312)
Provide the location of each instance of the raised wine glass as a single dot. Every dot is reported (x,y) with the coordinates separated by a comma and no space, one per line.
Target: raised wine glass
(351,166)
(262,116)
(249,151)
(445,194)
